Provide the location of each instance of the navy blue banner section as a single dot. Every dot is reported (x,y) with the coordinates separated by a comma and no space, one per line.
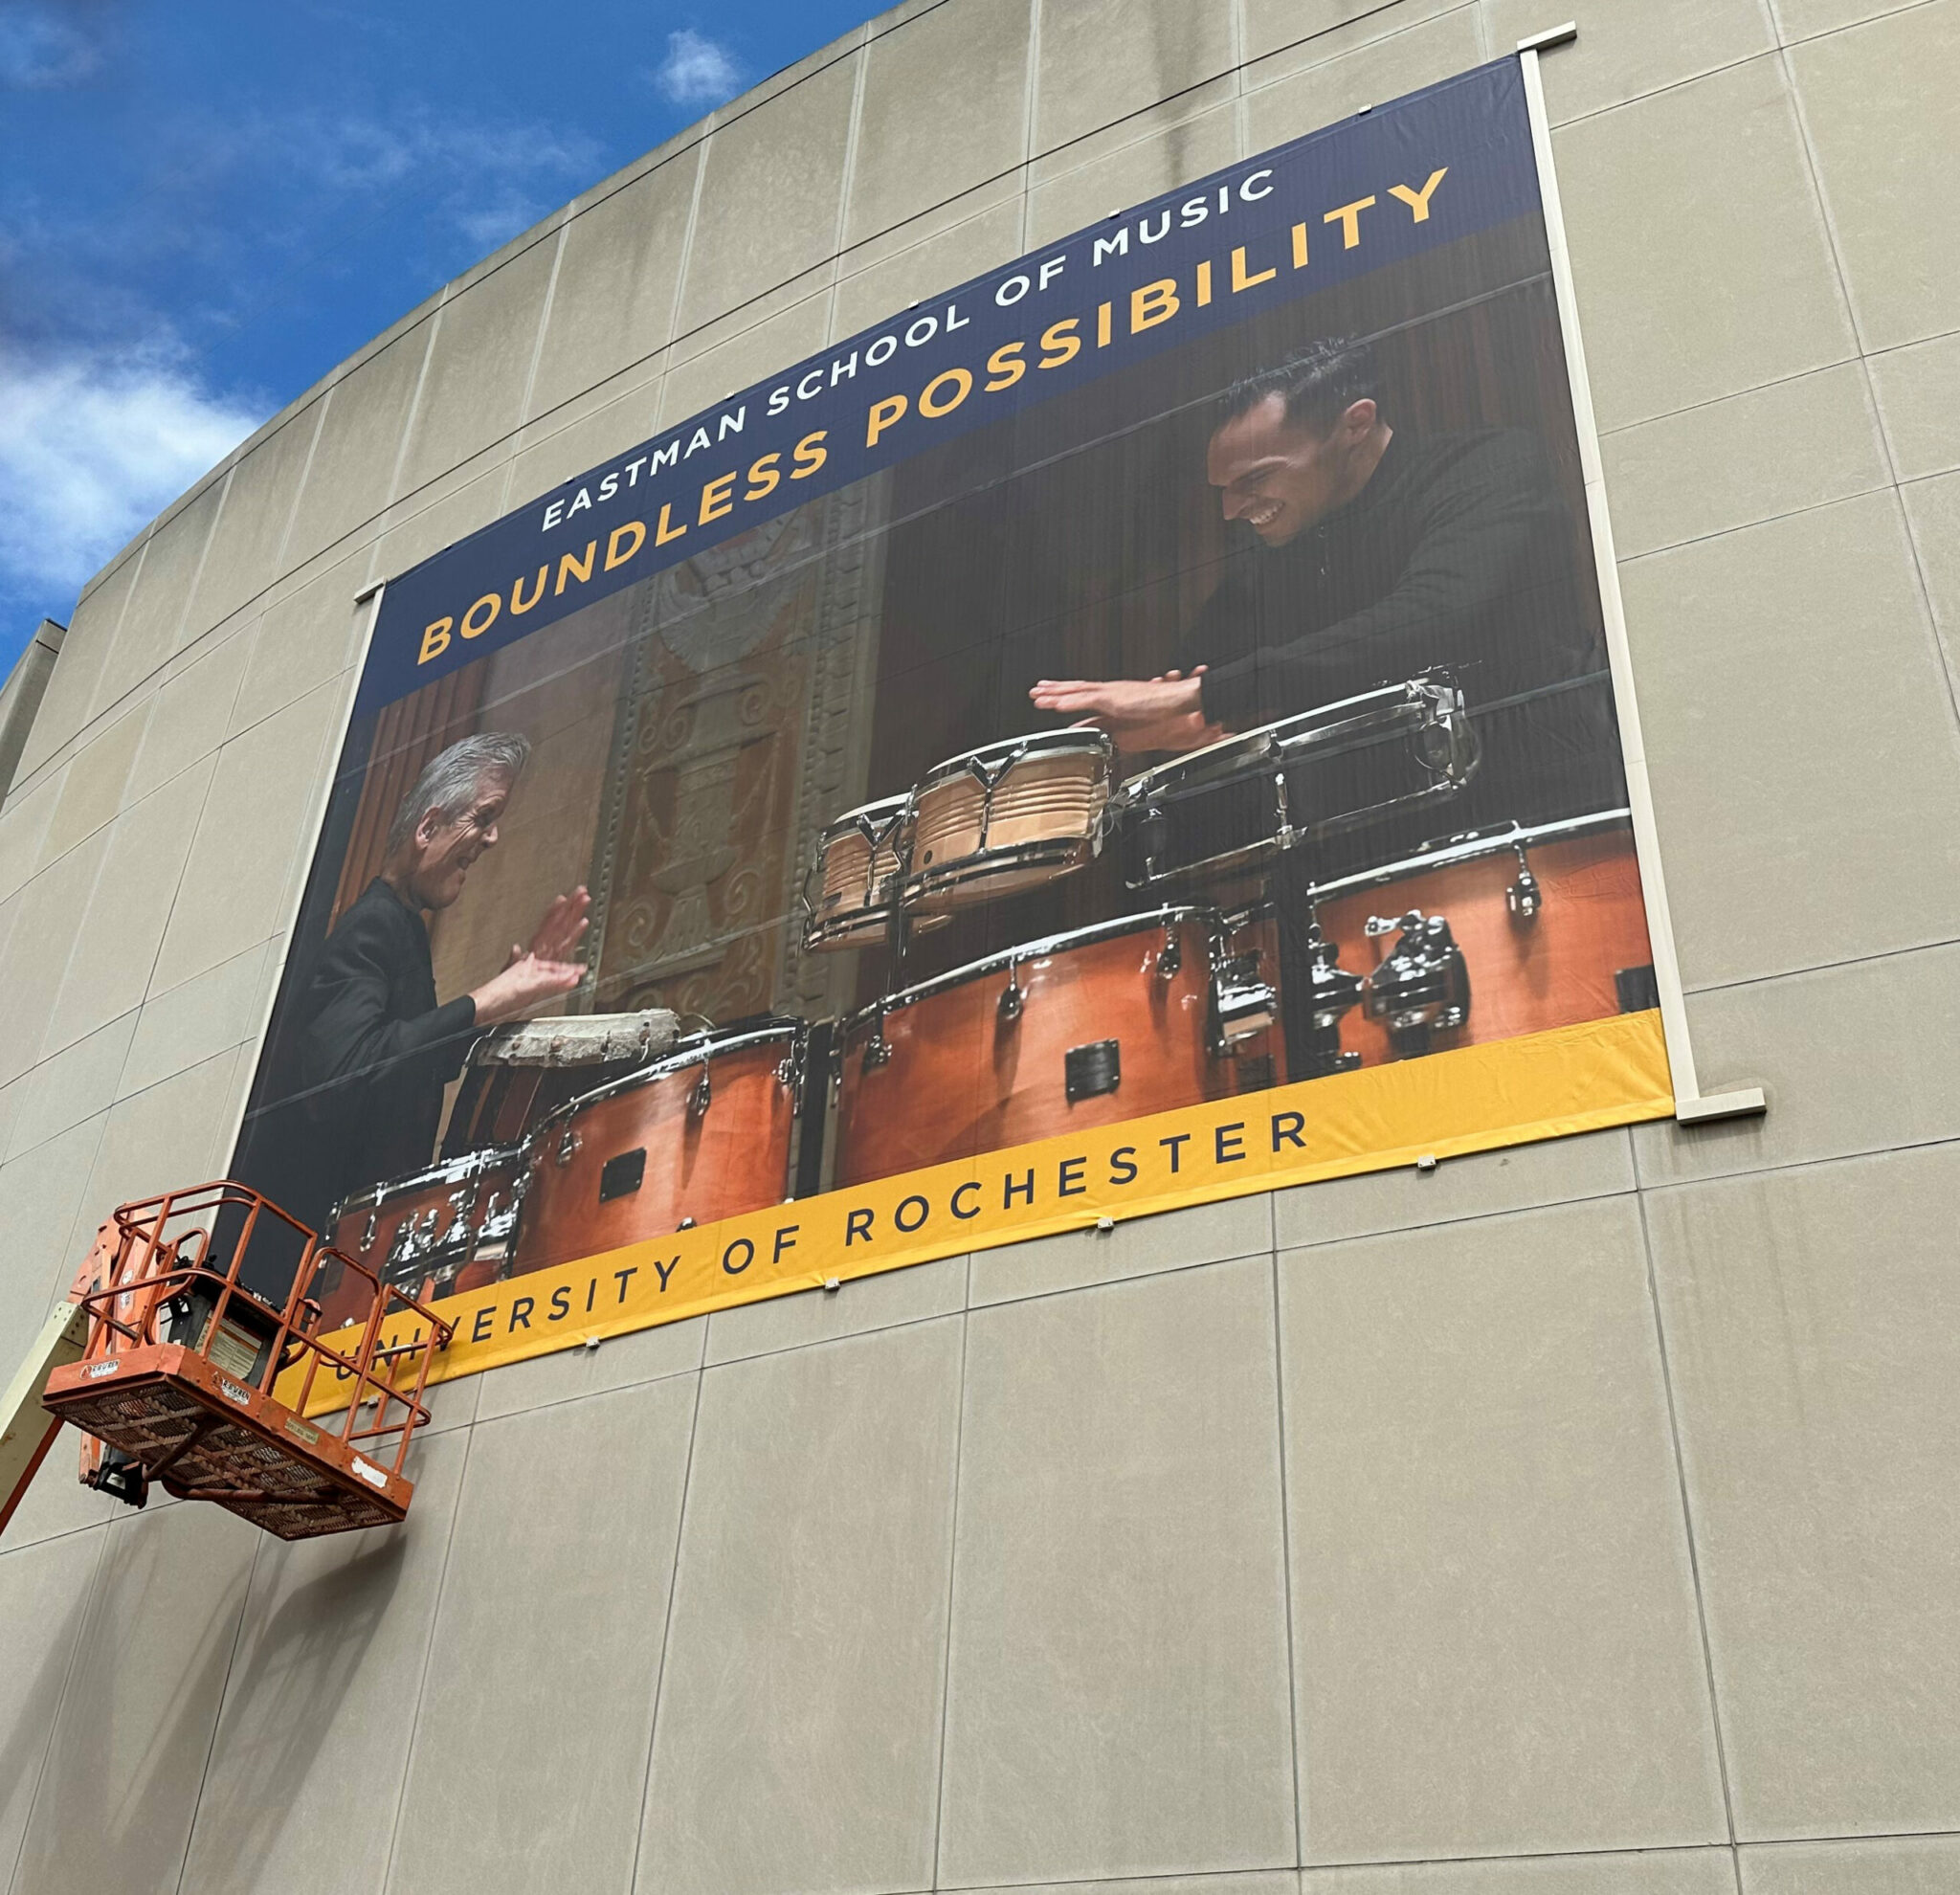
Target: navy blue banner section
(1380,187)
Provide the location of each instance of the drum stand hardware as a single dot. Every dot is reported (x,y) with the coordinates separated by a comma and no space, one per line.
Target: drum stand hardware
(1523,897)
(1423,986)
(1333,992)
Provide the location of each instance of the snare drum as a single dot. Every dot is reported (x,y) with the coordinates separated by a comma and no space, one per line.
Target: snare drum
(1086,1028)
(851,886)
(702,1133)
(434,1233)
(518,1074)
(1507,933)
(1007,817)
(1237,804)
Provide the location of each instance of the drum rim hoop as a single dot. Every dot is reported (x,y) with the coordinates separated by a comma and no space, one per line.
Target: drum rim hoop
(1111,929)
(892,807)
(703,1047)
(1477,848)
(459,1170)
(977,864)
(1070,737)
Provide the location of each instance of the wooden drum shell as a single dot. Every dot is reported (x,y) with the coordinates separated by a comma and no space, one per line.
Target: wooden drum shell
(1034,819)
(962,1080)
(1525,976)
(700,1165)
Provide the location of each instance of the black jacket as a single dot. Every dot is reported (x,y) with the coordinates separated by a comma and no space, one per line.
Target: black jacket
(1457,552)
(375,1050)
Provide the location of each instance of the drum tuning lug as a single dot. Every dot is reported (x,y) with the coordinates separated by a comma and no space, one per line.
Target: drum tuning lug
(686,1224)
(1421,987)
(1013,1002)
(368,1236)
(702,1095)
(568,1143)
(1170,957)
(1524,898)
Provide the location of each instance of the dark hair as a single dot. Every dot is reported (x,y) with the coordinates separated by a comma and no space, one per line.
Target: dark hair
(1319,384)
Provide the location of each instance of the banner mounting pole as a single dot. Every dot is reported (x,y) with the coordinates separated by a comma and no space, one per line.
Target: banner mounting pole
(1692,1106)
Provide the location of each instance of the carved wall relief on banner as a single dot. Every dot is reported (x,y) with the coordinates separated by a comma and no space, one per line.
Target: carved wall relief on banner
(743,729)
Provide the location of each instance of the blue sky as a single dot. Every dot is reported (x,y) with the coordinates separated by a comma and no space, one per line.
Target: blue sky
(206,203)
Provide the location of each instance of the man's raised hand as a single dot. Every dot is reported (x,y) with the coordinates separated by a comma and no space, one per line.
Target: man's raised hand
(560,930)
(1164,713)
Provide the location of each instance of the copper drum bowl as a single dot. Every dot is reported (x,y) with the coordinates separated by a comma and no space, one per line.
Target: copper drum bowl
(702,1133)
(1086,1029)
(1007,817)
(1548,923)
(434,1233)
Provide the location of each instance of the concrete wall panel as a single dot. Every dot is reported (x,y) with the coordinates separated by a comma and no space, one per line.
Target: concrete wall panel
(1918,388)
(1904,1866)
(1468,1688)
(771,193)
(45,1587)
(243,557)
(1657,1872)
(312,1740)
(1811,1319)
(353,474)
(91,631)
(119,928)
(152,626)
(1795,705)
(1104,60)
(945,108)
(1117,1686)
(1632,48)
(619,283)
(479,372)
(252,840)
(530,1746)
(796,1745)
(127,1754)
(1885,193)
(1773,451)
(192,714)
(1712,177)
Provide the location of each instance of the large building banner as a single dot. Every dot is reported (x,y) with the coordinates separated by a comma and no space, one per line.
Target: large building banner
(1133,730)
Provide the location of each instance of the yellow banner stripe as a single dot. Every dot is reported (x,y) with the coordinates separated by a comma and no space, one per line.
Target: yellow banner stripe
(1574,1078)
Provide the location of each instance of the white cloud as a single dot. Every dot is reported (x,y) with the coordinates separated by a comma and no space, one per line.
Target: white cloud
(43,48)
(696,71)
(92,447)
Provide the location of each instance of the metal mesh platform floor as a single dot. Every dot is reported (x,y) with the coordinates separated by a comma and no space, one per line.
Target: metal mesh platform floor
(219,1439)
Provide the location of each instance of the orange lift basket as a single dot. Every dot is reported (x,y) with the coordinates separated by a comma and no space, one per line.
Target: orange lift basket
(177,1377)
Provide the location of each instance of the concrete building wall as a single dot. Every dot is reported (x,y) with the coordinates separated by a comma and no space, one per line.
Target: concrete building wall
(1589,1507)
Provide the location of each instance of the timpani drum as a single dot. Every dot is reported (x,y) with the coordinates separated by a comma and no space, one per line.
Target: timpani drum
(702,1133)
(1006,817)
(435,1233)
(519,1074)
(1506,932)
(1082,1030)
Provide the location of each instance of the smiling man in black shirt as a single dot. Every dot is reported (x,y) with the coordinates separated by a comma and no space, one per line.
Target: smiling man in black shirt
(1376,556)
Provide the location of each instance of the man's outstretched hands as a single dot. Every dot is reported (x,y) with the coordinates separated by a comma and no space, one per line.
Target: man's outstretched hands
(542,971)
(1164,713)
(560,930)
